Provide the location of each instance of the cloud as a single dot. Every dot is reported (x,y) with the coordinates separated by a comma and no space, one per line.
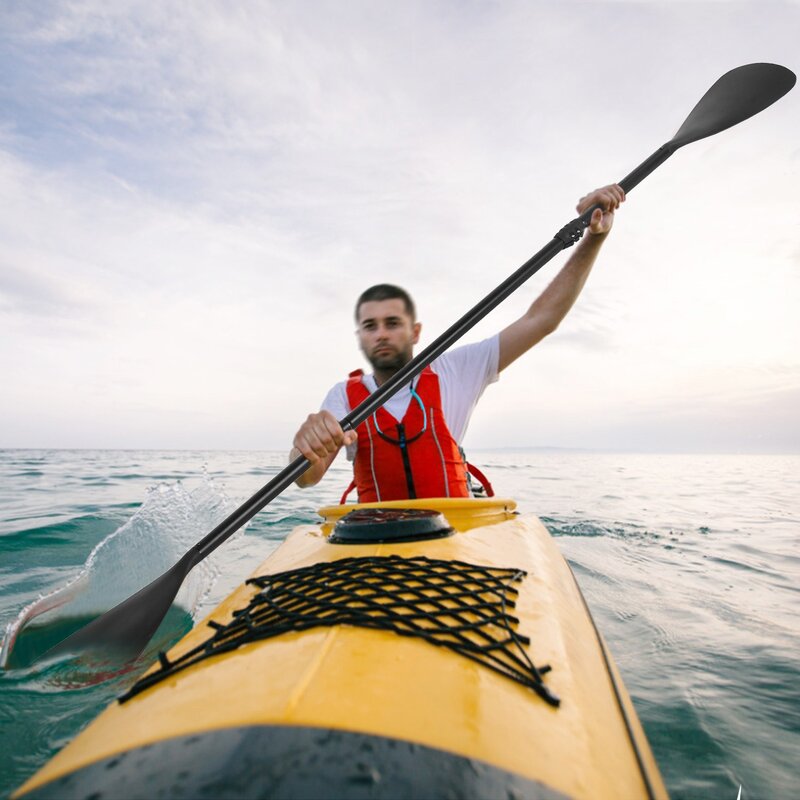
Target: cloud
(195,194)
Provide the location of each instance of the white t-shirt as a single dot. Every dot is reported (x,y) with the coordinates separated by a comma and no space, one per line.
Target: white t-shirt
(463,375)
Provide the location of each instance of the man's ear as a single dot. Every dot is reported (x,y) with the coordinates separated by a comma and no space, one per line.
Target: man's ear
(417,330)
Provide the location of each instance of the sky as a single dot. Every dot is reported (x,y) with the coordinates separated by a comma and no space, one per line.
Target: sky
(194,194)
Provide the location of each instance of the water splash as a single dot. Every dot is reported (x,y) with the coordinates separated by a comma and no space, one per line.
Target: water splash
(170,520)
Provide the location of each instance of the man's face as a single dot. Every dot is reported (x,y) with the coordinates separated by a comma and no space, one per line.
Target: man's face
(386,334)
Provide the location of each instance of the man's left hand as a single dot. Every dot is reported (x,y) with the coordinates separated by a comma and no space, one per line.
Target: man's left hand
(609,199)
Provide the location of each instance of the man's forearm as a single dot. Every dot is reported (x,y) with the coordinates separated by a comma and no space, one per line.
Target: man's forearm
(557,299)
(314,474)
(552,305)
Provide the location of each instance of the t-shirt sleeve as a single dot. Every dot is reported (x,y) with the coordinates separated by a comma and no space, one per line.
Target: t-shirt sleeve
(336,401)
(464,373)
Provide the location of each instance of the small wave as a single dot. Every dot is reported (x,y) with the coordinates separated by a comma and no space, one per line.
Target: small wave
(290,520)
(731,563)
(580,527)
(68,533)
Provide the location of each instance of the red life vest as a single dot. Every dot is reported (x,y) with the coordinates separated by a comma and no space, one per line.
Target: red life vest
(416,457)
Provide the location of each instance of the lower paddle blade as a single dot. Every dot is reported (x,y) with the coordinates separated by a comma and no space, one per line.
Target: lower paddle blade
(124,631)
(735,97)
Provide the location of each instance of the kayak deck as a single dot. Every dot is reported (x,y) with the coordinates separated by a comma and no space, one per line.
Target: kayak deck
(360,684)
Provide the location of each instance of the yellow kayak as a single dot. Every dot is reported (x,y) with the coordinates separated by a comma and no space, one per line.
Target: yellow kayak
(428,648)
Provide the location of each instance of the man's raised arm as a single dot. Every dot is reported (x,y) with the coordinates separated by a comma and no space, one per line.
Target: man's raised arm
(552,305)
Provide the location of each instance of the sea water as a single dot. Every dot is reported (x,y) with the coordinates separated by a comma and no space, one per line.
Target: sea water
(690,565)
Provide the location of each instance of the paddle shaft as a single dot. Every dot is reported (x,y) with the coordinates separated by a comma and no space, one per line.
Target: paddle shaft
(566,237)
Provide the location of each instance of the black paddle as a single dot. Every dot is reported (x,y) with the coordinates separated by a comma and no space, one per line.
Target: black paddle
(127,628)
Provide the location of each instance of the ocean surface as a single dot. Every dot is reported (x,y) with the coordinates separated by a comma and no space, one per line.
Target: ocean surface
(690,564)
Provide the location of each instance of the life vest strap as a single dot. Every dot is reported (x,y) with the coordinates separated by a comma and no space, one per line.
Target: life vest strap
(482,479)
(347,491)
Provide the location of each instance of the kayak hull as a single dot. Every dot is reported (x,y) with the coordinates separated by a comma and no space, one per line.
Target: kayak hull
(380,705)
(290,762)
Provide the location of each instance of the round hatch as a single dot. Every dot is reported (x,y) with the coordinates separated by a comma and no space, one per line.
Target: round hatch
(365,525)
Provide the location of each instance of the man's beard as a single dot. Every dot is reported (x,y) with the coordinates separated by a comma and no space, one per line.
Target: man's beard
(390,361)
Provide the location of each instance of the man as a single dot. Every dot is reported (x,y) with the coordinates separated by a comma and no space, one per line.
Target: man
(411,446)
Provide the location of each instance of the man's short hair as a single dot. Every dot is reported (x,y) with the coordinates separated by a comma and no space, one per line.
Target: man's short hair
(387,291)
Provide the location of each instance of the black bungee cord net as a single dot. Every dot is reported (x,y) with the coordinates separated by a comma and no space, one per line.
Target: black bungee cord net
(451,604)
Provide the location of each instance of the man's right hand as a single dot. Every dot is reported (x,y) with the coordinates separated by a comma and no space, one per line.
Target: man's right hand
(319,439)
(321,436)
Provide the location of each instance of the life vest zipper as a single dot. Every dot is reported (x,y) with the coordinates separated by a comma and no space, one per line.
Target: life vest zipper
(401,435)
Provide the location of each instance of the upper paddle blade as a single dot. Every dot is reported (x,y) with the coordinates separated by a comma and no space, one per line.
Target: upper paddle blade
(124,631)
(736,96)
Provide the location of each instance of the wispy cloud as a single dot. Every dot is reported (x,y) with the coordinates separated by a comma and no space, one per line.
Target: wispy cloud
(197,192)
